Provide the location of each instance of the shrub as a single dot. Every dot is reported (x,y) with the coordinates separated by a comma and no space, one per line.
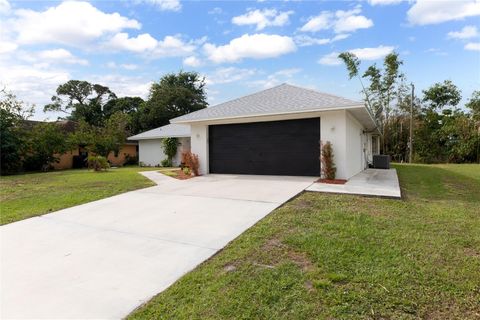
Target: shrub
(97,163)
(191,161)
(328,165)
(130,160)
(166,162)
(170,148)
(187,171)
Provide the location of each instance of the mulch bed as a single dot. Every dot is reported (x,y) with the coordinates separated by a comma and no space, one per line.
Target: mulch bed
(334,181)
(178,174)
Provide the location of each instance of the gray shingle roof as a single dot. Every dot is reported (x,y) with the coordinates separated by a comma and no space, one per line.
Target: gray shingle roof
(284,98)
(170,130)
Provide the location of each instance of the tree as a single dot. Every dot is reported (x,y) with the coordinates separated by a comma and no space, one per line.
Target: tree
(127,105)
(474,105)
(383,88)
(102,140)
(81,100)
(46,142)
(174,95)
(13,113)
(441,95)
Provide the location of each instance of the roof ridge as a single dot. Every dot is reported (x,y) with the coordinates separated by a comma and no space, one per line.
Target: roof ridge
(317,91)
(248,95)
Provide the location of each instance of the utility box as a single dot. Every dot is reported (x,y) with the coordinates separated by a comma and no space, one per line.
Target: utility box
(381,161)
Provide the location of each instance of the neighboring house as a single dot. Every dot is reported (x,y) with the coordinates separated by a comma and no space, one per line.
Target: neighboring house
(77,157)
(150,147)
(277,132)
(67,160)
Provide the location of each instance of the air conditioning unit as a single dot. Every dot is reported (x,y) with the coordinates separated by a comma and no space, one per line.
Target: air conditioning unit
(381,161)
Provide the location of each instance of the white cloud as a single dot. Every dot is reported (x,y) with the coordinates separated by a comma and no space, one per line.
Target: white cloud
(384,2)
(437,52)
(474,46)
(228,75)
(61,56)
(32,84)
(71,22)
(263,18)
(330,59)
(4,7)
(192,61)
(166,5)
(304,40)
(466,33)
(340,21)
(375,53)
(141,43)
(317,23)
(431,12)
(123,85)
(216,10)
(175,46)
(276,78)
(348,21)
(7,46)
(372,53)
(126,66)
(170,46)
(256,46)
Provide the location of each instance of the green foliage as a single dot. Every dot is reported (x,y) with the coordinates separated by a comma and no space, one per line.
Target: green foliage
(170,146)
(441,95)
(166,163)
(174,95)
(352,63)
(474,105)
(328,165)
(131,106)
(13,138)
(46,142)
(187,171)
(97,163)
(81,100)
(102,140)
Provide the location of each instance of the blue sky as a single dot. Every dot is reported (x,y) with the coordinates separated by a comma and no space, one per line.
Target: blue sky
(239,46)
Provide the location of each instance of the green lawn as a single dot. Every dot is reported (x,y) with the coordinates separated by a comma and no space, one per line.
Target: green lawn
(342,257)
(27,195)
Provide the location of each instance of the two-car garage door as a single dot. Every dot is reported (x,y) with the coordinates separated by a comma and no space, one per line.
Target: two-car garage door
(289,147)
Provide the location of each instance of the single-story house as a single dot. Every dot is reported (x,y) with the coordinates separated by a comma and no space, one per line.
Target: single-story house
(76,158)
(278,132)
(150,149)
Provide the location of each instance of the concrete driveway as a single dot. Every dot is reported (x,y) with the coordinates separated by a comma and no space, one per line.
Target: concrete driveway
(104,258)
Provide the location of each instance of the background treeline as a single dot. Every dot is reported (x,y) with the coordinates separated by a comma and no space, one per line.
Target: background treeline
(101,120)
(442,130)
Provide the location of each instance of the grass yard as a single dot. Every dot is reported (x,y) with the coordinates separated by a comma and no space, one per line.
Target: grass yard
(342,257)
(27,195)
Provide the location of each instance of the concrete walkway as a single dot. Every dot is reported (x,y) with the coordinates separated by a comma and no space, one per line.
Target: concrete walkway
(370,182)
(102,259)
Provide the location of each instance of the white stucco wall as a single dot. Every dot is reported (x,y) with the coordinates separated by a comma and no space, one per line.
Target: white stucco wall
(355,159)
(151,151)
(199,145)
(338,127)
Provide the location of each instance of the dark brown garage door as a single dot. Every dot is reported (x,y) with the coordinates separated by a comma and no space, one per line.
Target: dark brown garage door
(288,147)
